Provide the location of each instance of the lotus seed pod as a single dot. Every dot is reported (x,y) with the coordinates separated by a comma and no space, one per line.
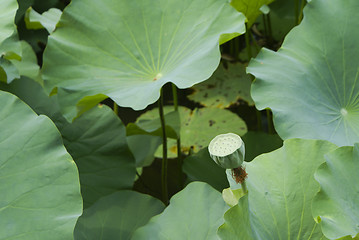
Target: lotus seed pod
(227,150)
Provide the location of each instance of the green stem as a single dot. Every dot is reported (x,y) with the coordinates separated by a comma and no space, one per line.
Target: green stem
(179,153)
(269,122)
(296,12)
(175,98)
(270,37)
(265,24)
(301,11)
(259,120)
(244,187)
(248,46)
(255,44)
(115,108)
(164,151)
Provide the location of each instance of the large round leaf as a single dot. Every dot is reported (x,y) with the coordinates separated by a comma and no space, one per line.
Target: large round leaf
(194,213)
(224,88)
(312,85)
(96,141)
(336,206)
(9,46)
(7,18)
(28,65)
(281,187)
(201,167)
(250,8)
(40,190)
(132,48)
(198,127)
(117,216)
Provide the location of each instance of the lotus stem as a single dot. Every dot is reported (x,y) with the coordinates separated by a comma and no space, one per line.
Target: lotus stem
(179,153)
(175,97)
(269,29)
(296,12)
(248,46)
(244,187)
(164,151)
(115,108)
(301,11)
(269,122)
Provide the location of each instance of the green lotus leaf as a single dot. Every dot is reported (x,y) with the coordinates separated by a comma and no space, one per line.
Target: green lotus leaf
(40,189)
(143,148)
(33,94)
(237,222)
(8,71)
(201,167)
(9,45)
(7,16)
(311,86)
(133,48)
(199,127)
(152,126)
(28,65)
(336,206)
(204,209)
(260,142)
(47,20)
(117,216)
(224,88)
(281,187)
(96,141)
(250,8)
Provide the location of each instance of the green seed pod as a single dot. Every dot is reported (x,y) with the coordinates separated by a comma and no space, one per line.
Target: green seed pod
(227,150)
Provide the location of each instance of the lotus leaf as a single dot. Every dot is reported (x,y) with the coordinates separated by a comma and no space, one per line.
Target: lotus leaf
(117,216)
(224,88)
(40,189)
(281,187)
(194,213)
(312,86)
(336,206)
(132,48)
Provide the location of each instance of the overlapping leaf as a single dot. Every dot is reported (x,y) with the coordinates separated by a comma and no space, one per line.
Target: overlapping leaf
(311,83)
(250,8)
(224,88)
(129,49)
(200,126)
(201,167)
(117,216)
(47,20)
(96,141)
(40,189)
(194,213)
(281,187)
(336,206)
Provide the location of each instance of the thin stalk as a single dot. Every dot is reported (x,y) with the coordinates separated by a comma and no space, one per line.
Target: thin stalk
(296,12)
(236,48)
(265,24)
(164,151)
(175,98)
(115,108)
(179,153)
(259,120)
(269,122)
(244,187)
(248,46)
(270,36)
(301,11)
(255,44)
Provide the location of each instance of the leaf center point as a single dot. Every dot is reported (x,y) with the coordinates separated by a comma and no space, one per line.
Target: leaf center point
(344,112)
